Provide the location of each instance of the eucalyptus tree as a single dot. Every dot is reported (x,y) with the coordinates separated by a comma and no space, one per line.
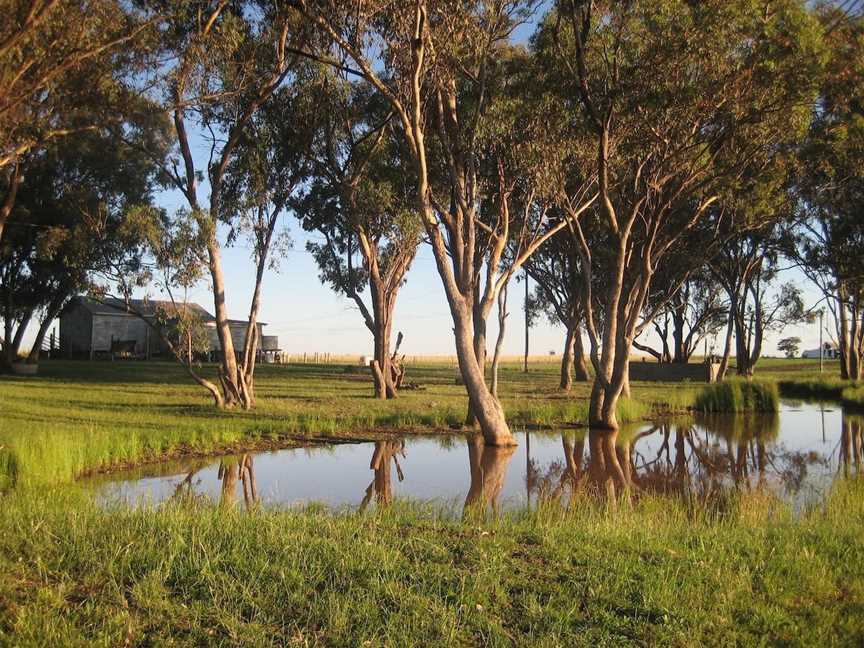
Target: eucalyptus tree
(50,248)
(62,73)
(828,248)
(225,61)
(748,270)
(439,65)
(695,311)
(681,98)
(361,202)
(828,241)
(271,163)
(518,163)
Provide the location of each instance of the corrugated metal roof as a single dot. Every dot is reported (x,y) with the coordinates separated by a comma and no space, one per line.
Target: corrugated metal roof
(146,307)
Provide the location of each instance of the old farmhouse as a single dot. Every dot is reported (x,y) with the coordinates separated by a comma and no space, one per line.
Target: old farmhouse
(92,329)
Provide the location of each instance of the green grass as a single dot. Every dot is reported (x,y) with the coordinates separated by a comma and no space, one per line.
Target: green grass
(830,388)
(738,396)
(656,574)
(853,396)
(743,571)
(80,416)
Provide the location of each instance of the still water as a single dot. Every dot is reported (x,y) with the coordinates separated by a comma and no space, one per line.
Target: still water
(795,454)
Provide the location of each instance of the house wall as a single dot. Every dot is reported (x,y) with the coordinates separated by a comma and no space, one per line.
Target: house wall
(121,327)
(238,336)
(75,331)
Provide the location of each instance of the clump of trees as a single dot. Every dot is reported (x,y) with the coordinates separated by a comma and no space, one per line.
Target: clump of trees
(827,237)
(651,165)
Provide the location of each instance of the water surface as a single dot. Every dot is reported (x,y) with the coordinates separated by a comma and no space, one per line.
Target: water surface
(795,454)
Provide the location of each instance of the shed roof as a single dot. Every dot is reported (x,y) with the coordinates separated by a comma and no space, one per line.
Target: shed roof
(146,307)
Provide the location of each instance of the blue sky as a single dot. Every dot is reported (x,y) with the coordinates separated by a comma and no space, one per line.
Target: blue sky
(308,317)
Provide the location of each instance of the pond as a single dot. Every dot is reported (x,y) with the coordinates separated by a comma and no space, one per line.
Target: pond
(795,454)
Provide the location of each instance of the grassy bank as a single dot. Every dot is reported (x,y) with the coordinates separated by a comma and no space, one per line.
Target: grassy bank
(78,416)
(71,574)
(814,388)
(853,396)
(738,396)
(848,392)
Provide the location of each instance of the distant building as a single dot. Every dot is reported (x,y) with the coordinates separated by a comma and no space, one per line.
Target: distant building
(829,352)
(90,329)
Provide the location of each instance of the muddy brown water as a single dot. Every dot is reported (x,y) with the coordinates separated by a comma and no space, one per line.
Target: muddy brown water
(795,454)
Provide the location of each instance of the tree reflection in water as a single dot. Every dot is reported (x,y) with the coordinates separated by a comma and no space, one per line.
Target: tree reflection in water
(851,442)
(381,486)
(488,468)
(232,470)
(697,461)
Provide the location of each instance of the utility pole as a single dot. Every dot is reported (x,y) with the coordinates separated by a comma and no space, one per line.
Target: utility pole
(821,346)
(525,368)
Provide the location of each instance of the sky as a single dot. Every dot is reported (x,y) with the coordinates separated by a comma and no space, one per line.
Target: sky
(308,317)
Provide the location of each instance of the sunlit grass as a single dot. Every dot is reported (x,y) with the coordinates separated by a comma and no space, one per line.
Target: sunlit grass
(656,573)
(80,416)
(738,396)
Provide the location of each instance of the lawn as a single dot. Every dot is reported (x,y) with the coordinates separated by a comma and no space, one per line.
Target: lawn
(655,572)
(82,416)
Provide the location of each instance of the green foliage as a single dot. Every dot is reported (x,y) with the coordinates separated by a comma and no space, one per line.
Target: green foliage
(738,396)
(789,346)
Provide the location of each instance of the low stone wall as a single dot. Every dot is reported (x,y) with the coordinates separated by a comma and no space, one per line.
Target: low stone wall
(673,372)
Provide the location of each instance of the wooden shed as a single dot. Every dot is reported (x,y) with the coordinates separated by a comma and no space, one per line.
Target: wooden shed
(92,329)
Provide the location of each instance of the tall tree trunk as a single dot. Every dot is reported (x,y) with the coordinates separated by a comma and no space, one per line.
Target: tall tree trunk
(251,342)
(50,315)
(381,325)
(382,375)
(580,363)
(499,342)
(742,350)
(679,352)
(9,198)
(567,363)
(727,347)
(855,339)
(13,342)
(479,346)
(229,376)
(843,341)
(486,408)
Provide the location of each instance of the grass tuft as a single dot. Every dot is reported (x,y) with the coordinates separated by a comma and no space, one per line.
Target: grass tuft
(738,396)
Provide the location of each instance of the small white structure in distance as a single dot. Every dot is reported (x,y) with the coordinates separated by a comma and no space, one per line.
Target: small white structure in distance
(829,352)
